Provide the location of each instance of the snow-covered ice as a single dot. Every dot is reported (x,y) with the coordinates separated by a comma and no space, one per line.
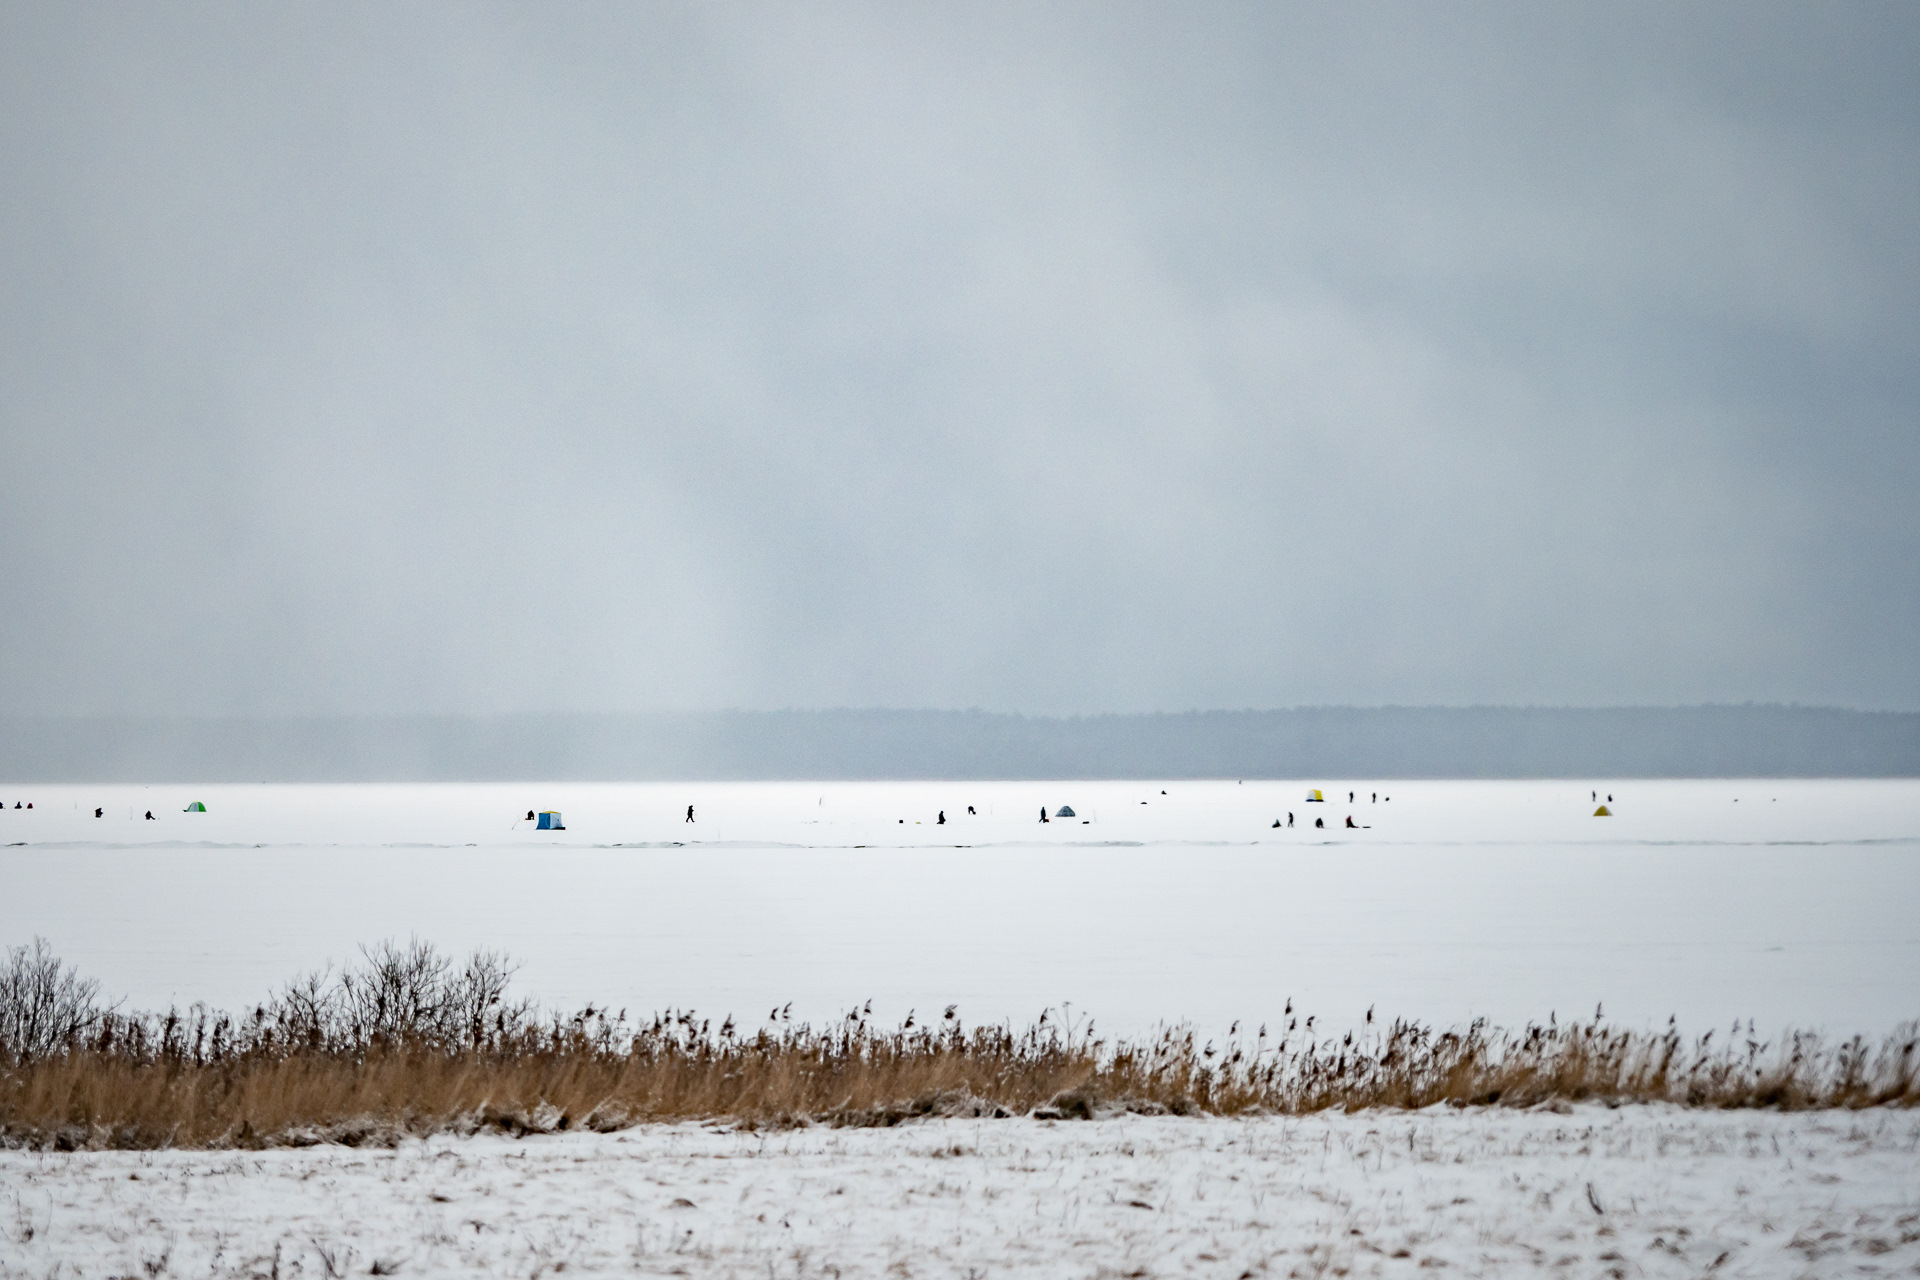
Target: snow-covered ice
(1639,1191)
(1790,902)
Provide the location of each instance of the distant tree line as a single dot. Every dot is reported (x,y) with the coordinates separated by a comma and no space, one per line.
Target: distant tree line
(1356,742)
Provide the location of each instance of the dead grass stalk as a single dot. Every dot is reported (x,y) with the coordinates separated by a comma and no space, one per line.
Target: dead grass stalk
(411,1042)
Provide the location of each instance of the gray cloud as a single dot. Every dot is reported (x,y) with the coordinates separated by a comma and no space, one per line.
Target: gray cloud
(1098,358)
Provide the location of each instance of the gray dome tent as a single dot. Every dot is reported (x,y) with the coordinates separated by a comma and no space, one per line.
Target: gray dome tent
(1066,811)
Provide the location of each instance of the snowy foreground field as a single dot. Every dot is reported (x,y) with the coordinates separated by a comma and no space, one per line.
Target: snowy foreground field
(1638,1191)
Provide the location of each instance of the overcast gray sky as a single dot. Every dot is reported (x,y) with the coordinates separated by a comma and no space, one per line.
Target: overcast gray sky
(1046,358)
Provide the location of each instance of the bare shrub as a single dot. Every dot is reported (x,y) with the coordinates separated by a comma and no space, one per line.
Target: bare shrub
(44,1005)
(410,1042)
(415,996)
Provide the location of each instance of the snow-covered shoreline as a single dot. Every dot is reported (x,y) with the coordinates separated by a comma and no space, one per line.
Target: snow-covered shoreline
(1634,1191)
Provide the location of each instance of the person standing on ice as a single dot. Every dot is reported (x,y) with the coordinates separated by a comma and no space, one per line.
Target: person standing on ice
(1289,817)
(942,820)
(1043,813)
(689,813)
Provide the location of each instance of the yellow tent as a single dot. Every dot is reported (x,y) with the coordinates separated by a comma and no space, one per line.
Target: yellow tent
(1315,795)
(1603,812)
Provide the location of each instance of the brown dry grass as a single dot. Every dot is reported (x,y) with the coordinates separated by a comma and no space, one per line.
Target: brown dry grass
(411,1044)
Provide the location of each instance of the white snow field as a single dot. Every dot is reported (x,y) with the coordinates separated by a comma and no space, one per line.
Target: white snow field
(1637,1192)
(1795,903)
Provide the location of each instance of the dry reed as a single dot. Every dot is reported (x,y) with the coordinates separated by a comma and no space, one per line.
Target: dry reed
(411,1043)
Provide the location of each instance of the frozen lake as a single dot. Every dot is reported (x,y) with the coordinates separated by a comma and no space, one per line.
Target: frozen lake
(1790,902)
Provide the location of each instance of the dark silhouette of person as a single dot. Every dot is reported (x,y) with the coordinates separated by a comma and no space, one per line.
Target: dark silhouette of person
(1321,823)
(1276,822)
(1289,817)
(529,815)
(970,810)
(1350,820)
(1349,797)
(1593,795)
(150,817)
(942,820)
(1609,799)
(97,812)
(689,813)
(1043,813)
(1376,797)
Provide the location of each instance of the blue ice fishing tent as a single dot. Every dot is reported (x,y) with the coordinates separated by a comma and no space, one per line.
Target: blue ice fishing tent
(1066,811)
(550,821)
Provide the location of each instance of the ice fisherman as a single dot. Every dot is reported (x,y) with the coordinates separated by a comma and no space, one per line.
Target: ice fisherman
(941,821)
(98,812)
(1043,813)
(689,813)
(529,815)
(970,810)
(1321,823)
(150,817)
(1289,817)
(1350,820)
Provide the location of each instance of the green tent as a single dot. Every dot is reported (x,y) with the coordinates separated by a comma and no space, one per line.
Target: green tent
(195,807)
